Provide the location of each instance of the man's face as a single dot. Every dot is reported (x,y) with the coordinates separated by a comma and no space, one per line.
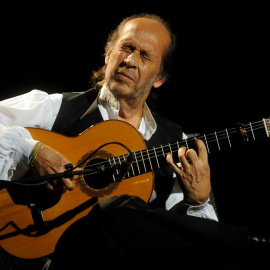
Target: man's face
(134,63)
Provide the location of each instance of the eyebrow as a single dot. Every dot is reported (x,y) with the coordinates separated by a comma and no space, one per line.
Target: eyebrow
(128,42)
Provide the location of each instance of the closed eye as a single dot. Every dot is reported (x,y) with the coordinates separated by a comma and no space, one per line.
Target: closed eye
(127,49)
(145,56)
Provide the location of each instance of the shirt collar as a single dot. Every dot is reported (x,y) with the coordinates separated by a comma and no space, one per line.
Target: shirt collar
(105,96)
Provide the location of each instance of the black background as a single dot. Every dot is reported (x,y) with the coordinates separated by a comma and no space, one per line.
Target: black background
(220,77)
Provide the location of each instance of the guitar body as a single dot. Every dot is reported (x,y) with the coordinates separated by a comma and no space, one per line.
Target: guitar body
(20,235)
(32,219)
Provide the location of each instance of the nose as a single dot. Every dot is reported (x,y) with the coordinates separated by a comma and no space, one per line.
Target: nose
(132,59)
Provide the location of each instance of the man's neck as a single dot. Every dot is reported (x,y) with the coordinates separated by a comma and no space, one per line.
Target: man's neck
(132,117)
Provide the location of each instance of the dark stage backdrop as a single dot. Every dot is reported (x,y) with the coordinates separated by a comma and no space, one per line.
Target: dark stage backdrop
(220,77)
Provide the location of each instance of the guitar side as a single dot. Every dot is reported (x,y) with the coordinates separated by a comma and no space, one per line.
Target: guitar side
(23,238)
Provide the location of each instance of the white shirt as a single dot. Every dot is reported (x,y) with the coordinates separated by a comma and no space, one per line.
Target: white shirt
(39,109)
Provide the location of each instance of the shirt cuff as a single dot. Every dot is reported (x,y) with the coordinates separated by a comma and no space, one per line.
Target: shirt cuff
(205,210)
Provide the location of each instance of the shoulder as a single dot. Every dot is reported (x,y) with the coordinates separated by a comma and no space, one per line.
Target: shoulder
(86,96)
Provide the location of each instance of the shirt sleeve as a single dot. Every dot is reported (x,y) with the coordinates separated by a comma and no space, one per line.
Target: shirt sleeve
(204,211)
(34,109)
(16,145)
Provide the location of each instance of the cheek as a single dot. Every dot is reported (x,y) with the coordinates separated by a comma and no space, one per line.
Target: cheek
(108,73)
(147,76)
(110,66)
(148,70)
(115,57)
(113,62)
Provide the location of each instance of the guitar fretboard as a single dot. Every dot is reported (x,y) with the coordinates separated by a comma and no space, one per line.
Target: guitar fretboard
(153,158)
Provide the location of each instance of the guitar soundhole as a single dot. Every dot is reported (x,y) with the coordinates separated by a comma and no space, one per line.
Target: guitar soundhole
(100,182)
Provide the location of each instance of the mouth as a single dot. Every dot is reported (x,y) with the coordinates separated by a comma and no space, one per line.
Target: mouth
(125,76)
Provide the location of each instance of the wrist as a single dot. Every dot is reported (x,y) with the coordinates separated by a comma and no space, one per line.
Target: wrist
(34,153)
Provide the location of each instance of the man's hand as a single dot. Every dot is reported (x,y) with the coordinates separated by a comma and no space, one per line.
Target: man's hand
(193,174)
(50,161)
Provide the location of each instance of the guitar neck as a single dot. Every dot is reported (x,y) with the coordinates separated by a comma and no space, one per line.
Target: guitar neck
(155,157)
(228,138)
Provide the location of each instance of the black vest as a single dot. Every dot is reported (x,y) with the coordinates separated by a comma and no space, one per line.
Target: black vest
(79,111)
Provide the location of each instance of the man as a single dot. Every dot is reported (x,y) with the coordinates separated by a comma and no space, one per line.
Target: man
(137,56)
(135,62)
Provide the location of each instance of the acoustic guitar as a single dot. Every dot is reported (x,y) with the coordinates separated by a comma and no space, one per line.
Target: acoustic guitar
(32,218)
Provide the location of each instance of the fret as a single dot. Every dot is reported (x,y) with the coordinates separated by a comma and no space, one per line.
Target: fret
(117,171)
(217,140)
(252,131)
(156,156)
(228,137)
(206,143)
(143,162)
(267,126)
(170,148)
(132,172)
(119,160)
(162,150)
(132,169)
(119,163)
(124,160)
(186,143)
(138,167)
(149,160)
(113,164)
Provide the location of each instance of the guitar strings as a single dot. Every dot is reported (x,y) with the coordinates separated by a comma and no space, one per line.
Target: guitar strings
(211,138)
(140,157)
(156,152)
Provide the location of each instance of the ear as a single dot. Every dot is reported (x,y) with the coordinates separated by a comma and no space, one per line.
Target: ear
(159,81)
(107,57)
